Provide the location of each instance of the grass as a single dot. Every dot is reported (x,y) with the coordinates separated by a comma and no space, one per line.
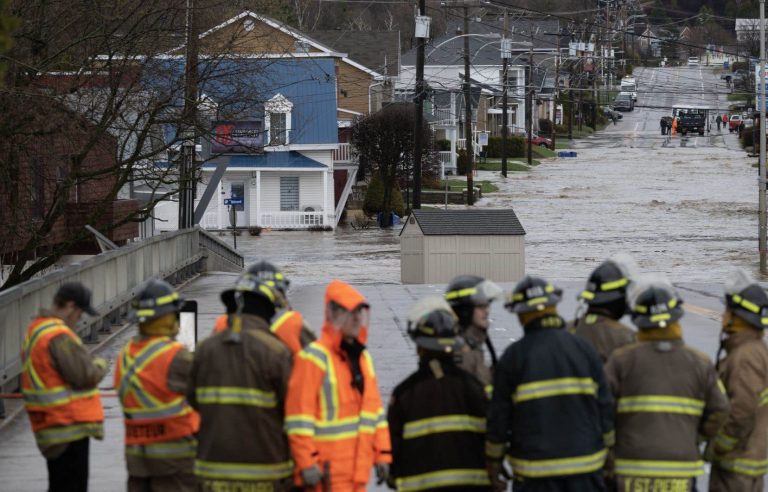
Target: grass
(542,152)
(485,186)
(737,96)
(513,164)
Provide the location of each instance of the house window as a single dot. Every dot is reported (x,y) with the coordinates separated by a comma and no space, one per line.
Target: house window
(289,193)
(278,120)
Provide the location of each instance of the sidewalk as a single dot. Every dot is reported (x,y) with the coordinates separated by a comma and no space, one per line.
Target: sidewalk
(23,469)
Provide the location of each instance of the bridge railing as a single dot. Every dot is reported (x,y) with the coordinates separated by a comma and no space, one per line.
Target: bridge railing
(113,278)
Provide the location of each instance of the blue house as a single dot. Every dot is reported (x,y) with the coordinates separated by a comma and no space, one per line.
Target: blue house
(274,127)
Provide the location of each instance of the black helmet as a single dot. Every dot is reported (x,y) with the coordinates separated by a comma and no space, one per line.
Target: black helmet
(532,294)
(607,283)
(155,299)
(266,271)
(433,325)
(465,292)
(654,303)
(248,283)
(746,299)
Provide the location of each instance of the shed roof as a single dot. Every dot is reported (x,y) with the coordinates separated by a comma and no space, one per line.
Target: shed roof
(488,222)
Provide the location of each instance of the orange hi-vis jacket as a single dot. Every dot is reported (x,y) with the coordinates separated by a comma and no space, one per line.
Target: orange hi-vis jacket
(288,326)
(58,413)
(329,421)
(154,414)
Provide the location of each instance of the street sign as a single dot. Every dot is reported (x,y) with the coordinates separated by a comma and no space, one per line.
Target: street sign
(483,139)
(235,200)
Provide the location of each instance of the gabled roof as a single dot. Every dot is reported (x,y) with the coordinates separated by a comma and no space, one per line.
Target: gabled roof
(481,222)
(290,159)
(747,24)
(377,50)
(298,35)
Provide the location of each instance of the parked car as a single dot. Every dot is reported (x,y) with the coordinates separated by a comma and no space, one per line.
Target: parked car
(733,124)
(536,140)
(608,110)
(624,102)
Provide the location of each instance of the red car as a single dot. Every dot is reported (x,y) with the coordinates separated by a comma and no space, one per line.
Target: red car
(536,140)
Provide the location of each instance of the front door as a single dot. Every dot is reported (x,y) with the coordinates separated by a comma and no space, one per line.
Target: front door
(237,190)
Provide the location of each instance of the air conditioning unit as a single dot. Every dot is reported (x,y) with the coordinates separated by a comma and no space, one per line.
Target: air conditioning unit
(312,208)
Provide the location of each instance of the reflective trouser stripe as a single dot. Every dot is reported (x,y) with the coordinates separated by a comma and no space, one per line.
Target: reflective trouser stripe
(764,398)
(68,433)
(660,404)
(557,467)
(753,468)
(243,471)
(724,441)
(232,395)
(555,387)
(164,450)
(446,423)
(649,468)
(494,450)
(443,478)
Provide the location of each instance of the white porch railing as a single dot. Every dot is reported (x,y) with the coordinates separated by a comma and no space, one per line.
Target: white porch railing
(461,143)
(446,163)
(343,153)
(292,220)
(444,116)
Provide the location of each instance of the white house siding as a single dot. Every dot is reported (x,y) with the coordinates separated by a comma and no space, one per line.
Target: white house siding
(321,156)
(310,189)
(412,255)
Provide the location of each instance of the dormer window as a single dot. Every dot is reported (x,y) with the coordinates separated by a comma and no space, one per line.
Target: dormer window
(278,120)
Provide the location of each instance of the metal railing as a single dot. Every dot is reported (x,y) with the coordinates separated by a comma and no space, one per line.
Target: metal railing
(293,220)
(113,278)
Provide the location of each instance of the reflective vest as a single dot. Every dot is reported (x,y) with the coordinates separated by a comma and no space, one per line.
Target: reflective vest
(287,326)
(328,420)
(153,412)
(58,413)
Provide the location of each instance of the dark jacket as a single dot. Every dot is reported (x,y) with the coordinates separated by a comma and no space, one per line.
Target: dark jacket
(604,333)
(437,425)
(239,390)
(667,394)
(550,402)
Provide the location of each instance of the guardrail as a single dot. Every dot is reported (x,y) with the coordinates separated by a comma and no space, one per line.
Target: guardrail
(293,220)
(113,278)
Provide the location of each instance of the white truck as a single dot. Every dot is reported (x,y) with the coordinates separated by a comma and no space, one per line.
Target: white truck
(628,84)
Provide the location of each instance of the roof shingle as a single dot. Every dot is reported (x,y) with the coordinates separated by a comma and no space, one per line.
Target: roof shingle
(487,222)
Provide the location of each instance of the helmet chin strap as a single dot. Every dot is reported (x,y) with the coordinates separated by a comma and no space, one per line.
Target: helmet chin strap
(723,338)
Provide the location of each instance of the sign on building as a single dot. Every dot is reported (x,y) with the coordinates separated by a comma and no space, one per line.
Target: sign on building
(238,137)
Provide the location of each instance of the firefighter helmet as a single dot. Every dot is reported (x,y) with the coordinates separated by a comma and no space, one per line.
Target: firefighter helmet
(532,294)
(746,299)
(607,283)
(434,326)
(155,299)
(466,292)
(266,271)
(654,303)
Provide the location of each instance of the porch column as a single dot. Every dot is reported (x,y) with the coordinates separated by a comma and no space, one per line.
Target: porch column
(453,149)
(258,198)
(325,197)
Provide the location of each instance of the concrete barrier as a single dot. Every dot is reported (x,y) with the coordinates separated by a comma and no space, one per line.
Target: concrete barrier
(113,277)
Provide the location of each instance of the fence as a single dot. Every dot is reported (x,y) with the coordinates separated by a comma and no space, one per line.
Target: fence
(114,278)
(293,220)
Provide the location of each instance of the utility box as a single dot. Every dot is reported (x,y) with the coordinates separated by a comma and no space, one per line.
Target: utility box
(437,245)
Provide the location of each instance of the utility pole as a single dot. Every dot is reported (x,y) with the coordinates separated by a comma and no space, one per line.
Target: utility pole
(529,101)
(557,93)
(468,112)
(187,170)
(761,201)
(504,91)
(419,135)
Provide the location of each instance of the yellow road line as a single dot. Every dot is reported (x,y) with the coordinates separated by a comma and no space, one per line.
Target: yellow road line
(707,313)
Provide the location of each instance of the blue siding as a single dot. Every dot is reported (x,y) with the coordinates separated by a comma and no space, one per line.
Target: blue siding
(269,159)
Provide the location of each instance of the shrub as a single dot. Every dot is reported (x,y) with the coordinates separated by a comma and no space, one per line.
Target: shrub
(462,163)
(545,126)
(739,66)
(374,195)
(561,129)
(398,204)
(515,147)
(442,145)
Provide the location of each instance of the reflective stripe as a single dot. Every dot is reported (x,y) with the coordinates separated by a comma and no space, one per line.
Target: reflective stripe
(614,285)
(68,433)
(132,365)
(764,398)
(176,407)
(442,478)
(279,322)
(164,450)
(54,396)
(488,388)
(588,295)
(243,471)
(555,387)
(748,305)
(233,395)
(446,423)
(609,439)
(455,294)
(368,422)
(494,450)
(329,397)
(300,425)
(29,346)
(753,468)
(558,467)
(725,441)
(648,468)
(661,404)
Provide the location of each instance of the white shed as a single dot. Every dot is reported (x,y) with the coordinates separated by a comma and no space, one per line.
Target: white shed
(436,245)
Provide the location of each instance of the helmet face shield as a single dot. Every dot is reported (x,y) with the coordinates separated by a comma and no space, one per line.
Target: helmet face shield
(349,322)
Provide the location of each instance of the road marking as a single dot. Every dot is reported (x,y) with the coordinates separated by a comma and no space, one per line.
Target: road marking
(707,313)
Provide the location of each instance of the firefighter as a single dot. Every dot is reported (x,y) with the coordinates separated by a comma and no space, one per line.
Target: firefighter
(334,418)
(470,297)
(437,415)
(740,450)
(287,324)
(667,394)
(59,382)
(151,380)
(551,408)
(239,381)
(605,297)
